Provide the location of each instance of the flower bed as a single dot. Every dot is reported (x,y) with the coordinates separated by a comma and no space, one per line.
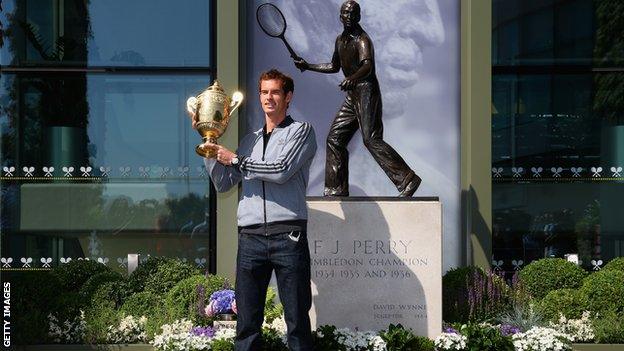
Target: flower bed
(147,311)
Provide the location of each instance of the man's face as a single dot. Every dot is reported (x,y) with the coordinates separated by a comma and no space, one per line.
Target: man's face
(272,98)
(349,15)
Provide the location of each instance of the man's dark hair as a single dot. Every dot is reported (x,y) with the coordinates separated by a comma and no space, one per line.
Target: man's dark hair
(287,83)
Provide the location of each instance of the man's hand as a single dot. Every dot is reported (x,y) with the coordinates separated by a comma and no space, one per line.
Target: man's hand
(347,84)
(224,156)
(302,64)
(193,119)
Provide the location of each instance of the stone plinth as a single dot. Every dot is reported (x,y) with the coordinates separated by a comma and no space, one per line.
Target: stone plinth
(376,261)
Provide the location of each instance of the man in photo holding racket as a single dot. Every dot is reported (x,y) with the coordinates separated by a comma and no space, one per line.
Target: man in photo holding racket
(362,108)
(273,165)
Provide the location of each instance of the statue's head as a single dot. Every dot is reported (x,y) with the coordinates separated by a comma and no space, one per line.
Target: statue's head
(350,13)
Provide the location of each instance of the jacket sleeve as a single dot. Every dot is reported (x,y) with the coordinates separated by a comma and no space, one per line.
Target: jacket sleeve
(299,149)
(223,177)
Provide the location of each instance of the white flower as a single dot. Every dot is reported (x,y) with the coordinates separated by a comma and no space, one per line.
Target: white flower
(541,339)
(579,330)
(130,330)
(177,336)
(450,341)
(69,332)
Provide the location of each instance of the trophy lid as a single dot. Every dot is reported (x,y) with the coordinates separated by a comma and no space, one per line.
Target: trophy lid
(216,87)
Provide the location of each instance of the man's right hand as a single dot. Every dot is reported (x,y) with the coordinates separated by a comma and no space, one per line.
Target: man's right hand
(193,119)
(302,64)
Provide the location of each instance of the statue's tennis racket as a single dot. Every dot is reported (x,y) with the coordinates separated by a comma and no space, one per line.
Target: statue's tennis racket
(273,23)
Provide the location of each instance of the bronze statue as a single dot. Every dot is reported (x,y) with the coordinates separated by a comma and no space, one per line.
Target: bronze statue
(362,108)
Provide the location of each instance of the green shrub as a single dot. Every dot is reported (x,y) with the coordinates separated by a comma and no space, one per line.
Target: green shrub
(108,294)
(168,275)
(461,287)
(272,310)
(102,310)
(140,276)
(398,338)
(149,305)
(93,283)
(97,322)
(34,295)
(272,341)
(183,299)
(543,276)
(605,291)
(609,328)
(222,345)
(616,264)
(325,338)
(569,302)
(75,273)
(483,337)
(141,304)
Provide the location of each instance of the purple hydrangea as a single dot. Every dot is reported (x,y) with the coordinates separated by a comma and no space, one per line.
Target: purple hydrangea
(221,302)
(451,330)
(207,332)
(509,330)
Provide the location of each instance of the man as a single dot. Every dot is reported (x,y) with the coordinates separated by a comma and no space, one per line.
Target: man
(274,165)
(362,108)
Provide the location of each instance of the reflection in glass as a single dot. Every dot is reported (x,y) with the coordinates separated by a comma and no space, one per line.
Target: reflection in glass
(140,33)
(557,130)
(132,121)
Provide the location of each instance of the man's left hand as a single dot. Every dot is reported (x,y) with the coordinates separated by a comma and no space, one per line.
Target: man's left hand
(224,156)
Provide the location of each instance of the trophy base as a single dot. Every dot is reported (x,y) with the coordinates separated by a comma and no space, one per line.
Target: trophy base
(206,153)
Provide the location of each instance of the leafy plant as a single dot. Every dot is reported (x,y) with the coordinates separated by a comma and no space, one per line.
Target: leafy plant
(522,315)
(187,298)
(569,302)
(102,310)
(609,328)
(222,345)
(326,339)
(272,310)
(605,291)
(168,275)
(140,276)
(472,294)
(398,338)
(74,275)
(616,264)
(272,340)
(484,337)
(149,305)
(92,284)
(543,276)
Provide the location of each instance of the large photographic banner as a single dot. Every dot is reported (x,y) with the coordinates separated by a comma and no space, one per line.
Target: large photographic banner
(417,55)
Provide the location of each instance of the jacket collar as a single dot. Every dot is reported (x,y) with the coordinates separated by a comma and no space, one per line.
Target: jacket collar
(285,123)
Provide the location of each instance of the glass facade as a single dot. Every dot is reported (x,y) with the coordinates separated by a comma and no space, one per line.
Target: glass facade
(96,148)
(557,130)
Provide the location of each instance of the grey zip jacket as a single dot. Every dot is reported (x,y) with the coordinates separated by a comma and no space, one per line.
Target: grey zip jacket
(274,186)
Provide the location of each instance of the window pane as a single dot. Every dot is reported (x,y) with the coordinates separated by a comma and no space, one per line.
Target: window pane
(108,33)
(101,165)
(557,130)
(547,32)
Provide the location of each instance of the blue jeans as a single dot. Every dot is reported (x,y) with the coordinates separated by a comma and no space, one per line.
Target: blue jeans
(258,256)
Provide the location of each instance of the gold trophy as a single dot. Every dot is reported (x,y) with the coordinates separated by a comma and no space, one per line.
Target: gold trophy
(212,109)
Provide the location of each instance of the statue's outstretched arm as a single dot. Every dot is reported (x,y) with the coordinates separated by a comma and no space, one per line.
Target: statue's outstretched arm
(330,67)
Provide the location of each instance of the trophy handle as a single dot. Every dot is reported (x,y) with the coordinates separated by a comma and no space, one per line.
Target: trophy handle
(237,99)
(191,105)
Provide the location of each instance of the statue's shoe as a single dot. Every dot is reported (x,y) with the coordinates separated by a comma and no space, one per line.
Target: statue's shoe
(411,187)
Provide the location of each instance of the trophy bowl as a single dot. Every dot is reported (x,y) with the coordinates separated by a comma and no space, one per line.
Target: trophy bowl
(212,110)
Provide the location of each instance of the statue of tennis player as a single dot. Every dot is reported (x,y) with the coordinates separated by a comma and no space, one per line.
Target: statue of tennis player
(362,109)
